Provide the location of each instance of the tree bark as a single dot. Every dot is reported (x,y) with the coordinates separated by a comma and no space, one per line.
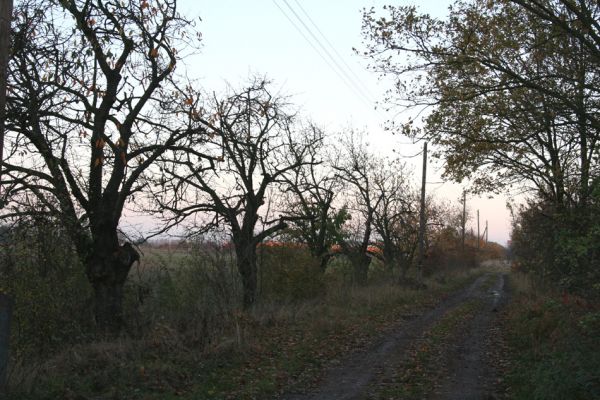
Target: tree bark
(108,306)
(107,269)
(5,20)
(323,261)
(245,252)
(361,268)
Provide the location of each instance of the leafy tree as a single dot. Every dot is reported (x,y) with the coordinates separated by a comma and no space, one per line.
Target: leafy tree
(512,97)
(259,142)
(94,102)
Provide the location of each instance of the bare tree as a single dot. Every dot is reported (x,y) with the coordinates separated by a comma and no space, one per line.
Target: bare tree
(394,217)
(260,142)
(312,190)
(93,104)
(355,165)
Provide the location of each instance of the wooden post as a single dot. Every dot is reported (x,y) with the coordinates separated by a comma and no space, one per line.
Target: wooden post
(478,230)
(422,222)
(464,219)
(6,303)
(6,306)
(486,232)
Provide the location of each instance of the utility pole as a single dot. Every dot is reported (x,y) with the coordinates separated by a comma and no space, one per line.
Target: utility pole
(6,7)
(486,232)
(464,219)
(422,221)
(478,230)
(6,302)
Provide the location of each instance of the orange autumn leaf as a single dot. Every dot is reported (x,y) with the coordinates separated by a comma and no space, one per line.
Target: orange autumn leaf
(154,53)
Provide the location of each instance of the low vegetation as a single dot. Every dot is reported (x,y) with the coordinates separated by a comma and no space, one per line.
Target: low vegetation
(187,333)
(552,340)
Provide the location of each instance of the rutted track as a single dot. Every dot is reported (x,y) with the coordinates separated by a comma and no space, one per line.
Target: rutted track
(469,377)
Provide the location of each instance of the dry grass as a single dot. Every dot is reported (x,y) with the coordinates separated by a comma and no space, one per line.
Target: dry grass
(189,338)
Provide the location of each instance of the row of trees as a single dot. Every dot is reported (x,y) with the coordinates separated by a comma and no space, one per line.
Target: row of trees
(511,89)
(101,119)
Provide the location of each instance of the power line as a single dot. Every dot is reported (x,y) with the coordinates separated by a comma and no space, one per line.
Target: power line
(306,38)
(332,47)
(356,87)
(346,80)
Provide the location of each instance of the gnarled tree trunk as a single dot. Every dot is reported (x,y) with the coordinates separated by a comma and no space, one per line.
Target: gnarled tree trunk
(107,268)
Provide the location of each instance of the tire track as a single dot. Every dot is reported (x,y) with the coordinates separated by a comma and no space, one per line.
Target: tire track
(353,377)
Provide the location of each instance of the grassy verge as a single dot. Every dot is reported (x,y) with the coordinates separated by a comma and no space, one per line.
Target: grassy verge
(553,345)
(262,353)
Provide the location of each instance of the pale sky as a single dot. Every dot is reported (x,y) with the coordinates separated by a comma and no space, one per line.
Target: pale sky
(242,37)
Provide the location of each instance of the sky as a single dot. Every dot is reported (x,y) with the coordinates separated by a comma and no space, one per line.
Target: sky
(243,38)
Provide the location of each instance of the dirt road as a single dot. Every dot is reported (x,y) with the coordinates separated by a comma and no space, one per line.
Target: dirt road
(445,353)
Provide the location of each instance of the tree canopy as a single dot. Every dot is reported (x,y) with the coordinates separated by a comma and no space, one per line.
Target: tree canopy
(508,97)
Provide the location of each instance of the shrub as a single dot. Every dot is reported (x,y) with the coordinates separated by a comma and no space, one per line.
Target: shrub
(554,350)
(288,273)
(195,292)
(52,295)
(559,246)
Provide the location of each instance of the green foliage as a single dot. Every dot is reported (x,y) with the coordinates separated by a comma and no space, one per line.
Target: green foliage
(559,246)
(554,349)
(511,92)
(308,231)
(335,226)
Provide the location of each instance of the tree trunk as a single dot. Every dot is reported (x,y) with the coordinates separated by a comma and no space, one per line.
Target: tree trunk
(108,306)
(361,268)
(323,261)
(246,263)
(107,271)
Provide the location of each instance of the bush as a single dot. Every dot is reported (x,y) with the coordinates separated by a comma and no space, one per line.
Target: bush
(554,346)
(193,291)
(559,246)
(52,296)
(288,273)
